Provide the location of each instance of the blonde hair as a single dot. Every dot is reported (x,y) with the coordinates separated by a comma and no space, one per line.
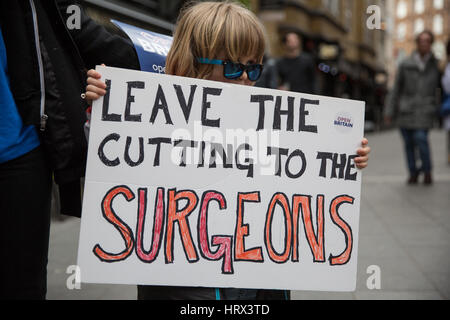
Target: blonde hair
(209,29)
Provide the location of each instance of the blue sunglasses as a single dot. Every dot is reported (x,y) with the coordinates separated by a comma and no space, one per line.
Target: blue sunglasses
(234,70)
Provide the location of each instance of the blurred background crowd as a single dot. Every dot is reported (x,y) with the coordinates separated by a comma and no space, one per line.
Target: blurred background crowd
(356,45)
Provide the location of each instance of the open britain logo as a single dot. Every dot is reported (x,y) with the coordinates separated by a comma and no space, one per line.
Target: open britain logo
(343,122)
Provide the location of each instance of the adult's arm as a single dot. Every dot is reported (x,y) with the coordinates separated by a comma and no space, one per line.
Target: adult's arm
(96,44)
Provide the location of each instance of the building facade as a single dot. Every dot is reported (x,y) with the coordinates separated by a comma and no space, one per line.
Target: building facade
(350,56)
(347,38)
(414,16)
(153,15)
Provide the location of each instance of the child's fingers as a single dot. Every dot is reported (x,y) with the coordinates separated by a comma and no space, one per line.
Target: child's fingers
(361,159)
(363,151)
(94,74)
(361,162)
(361,165)
(365,142)
(96,90)
(96,83)
(91,96)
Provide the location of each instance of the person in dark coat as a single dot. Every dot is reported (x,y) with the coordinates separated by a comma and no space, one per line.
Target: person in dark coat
(269,76)
(413,105)
(296,69)
(42,111)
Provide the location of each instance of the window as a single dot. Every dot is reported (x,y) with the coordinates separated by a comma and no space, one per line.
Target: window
(348,18)
(332,6)
(439,50)
(419,26)
(419,6)
(438,4)
(438,24)
(401,31)
(402,9)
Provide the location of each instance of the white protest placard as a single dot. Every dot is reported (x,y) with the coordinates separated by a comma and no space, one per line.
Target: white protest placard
(200,183)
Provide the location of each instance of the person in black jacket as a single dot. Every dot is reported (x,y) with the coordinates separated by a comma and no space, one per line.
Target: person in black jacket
(269,76)
(43,77)
(296,69)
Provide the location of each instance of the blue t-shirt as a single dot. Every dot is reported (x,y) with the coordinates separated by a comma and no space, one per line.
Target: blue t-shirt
(15,138)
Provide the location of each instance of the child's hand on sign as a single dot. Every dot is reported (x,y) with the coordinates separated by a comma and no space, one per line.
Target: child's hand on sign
(362,161)
(95,88)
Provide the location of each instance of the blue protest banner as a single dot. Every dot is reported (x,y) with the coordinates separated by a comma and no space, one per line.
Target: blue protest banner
(151,47)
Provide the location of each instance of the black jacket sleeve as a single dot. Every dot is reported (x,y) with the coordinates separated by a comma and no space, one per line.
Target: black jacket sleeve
(96,44)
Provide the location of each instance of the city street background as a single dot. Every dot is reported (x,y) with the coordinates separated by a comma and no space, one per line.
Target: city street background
(404,230)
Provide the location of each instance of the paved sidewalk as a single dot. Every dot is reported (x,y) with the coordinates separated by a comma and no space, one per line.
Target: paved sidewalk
(404,230)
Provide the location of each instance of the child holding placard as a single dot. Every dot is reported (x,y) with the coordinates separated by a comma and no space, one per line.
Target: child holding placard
(219,41)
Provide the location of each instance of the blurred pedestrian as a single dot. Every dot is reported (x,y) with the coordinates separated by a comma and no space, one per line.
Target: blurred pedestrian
(296,69)
(445,109)
(42,112)
(269,76)
(413,105)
